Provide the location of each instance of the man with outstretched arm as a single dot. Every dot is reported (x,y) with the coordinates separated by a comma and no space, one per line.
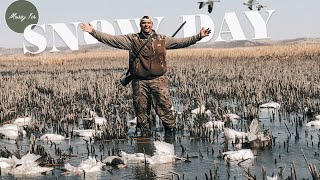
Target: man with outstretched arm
(149,85)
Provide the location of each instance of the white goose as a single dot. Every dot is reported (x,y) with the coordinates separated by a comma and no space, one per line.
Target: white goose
(6,163)
(134,158)
(250,3)
(313,123)
(259,7)
(98,120)
(209,3)
(89,166)
(231,117)
(242,154)
(164,153)
(252,135)
(231,134)
(274,105)
(22,121)
(87,133)
(27,165)
(12,131)
(52,137)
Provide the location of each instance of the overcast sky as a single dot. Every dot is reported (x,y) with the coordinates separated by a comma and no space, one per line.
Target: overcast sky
(291,18)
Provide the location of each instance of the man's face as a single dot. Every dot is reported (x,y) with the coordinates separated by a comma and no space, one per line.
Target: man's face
(146,25)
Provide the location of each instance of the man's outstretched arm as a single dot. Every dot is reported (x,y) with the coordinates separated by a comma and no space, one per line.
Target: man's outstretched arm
(120,41)
(175,43)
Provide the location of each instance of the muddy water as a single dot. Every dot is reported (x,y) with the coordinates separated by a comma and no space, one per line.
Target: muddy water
(286,149)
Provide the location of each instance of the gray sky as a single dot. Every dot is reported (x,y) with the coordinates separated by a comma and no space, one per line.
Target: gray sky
(290,20)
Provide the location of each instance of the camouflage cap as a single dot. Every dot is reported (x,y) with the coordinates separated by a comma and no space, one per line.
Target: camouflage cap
(146,18)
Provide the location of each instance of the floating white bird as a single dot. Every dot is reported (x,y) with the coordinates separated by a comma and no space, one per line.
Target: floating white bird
(90,165)
(6,163)
(270,105)
(231,117)
(209,3)
(27,165)
(242,154)
(73,169)
(313,123)
(231,134)
(52,137)
(22,121)
(87,132)
(272,177)
(317,117)
(12,131)
(134,158)
(254,136)
(164,153)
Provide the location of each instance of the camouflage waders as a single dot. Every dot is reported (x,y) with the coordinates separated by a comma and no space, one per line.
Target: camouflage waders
(155,92)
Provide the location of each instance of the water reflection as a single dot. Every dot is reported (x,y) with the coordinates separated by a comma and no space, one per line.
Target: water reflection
(143,171)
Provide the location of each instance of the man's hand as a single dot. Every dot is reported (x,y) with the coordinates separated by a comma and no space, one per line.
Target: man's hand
(86,27)
(204,32)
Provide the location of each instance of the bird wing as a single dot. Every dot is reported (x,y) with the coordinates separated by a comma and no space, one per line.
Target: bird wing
(88,164)
(210,6)
(254,126)
(201,4)
(253,130)
(71,168)
(250,2)
(163,148)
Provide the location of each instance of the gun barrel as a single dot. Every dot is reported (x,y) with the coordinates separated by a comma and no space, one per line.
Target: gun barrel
(179,29)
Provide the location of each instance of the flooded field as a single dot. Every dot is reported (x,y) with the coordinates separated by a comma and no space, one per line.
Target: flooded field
(60,92)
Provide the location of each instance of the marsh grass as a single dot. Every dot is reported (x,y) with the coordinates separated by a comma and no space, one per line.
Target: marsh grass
(55,86)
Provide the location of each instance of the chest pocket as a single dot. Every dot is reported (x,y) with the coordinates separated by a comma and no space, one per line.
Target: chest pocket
(159,46)
(158,65)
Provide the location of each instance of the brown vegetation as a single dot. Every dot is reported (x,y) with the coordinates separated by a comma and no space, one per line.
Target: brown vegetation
(52,86)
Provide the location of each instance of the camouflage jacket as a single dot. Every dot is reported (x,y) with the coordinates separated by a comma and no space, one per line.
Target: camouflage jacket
(151,61)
